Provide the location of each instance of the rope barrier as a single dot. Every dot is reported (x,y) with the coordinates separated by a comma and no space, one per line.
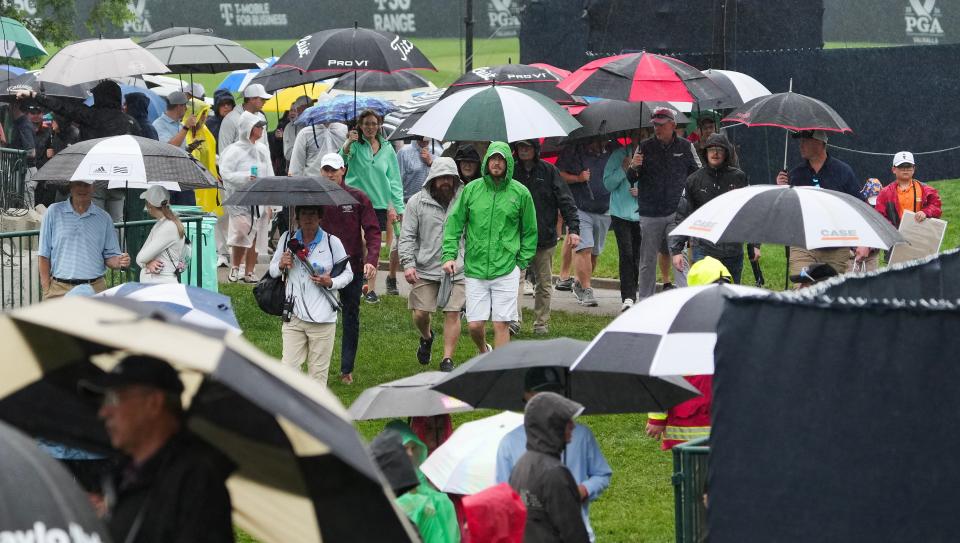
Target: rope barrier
(872,153)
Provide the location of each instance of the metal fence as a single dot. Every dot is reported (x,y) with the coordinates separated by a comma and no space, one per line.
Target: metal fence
(19,274)
(13,171)
(690,461)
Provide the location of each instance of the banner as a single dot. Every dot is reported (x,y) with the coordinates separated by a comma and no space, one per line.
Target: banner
(911,22)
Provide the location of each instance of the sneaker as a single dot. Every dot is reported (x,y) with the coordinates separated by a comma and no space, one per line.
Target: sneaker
(371,297)
(392,286)
(587,299)
(346,378)
(541,329)
(627,304)
(666,286)
(249,278)
(423,351)
(527,288)
(223,261)
(564,284)
(578,291)
(487,348)
(446,365)
(514,328)
(234,275)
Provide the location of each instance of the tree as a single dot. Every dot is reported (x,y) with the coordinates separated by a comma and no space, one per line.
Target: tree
(52,21)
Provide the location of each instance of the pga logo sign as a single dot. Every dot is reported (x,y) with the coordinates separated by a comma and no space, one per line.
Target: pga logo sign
(922,19)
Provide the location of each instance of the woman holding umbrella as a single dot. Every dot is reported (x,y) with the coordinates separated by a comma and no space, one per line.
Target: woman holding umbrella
(372,167)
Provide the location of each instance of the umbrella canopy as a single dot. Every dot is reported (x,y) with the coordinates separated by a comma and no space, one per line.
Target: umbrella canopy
(373,82)
(286,434)
(194,306)
(498,113)
(127,161)
(17,41)
(639,77)
(407,397)
(93,60)
(608,117)
(41,500)
(415,105)
(739,86)
(671,333)
(514,75)
(496,380)
(237,80)
(291,191)
(342,109)
(29,82)
(274,78)
(402,130)
(466,463)
(559,73)
(203,54)
(348,49)
(808,217)
(283,100)
(791,111)
(171,32)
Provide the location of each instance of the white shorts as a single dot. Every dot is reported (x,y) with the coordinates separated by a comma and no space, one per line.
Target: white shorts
(493,299)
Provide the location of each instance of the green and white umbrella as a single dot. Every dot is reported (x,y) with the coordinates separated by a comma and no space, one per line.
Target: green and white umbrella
(18,42)
(494,113)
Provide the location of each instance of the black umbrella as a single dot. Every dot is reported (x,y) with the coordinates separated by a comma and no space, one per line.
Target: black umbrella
(28,82)
(41,501)
(171,32)
(380,81)
(402,131)
(291,191)
(496,380)
(791,111)
(610,117)
(515,75)
(275,77)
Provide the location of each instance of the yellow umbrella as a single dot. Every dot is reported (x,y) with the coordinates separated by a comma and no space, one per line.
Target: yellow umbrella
(285,98)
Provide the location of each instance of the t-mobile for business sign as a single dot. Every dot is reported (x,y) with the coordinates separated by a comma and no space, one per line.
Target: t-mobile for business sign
(922,19)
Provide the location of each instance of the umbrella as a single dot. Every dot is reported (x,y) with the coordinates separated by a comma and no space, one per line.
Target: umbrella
(291,191)
(41,501)
(671,333)
(18,42)
(283,100)
(559,73)
(639,77)
(739,86)
(302,471)
(171,32)
(157,105)
(29,82)
(402,130)
(193,305)
(274,78)
(789,110)
(498,113)
(342,109)
(807,217)
(466,463)
(495,380)
(407,397)
(93,60)
(376,82)
(416,105)
(203,54)
(614,116)
(237,80)
(127,162)
(514,75)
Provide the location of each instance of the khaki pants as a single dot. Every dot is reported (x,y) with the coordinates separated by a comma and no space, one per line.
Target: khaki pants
(837,258)
(59,290)
(542,266)
(311,341)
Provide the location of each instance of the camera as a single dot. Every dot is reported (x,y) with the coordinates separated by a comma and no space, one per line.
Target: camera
(287,313)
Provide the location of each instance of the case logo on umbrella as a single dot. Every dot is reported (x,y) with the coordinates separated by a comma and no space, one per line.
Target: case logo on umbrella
(703,226)
(838,235)
(401,46)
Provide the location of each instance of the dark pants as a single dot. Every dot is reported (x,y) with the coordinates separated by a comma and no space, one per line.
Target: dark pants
(350,299)
(628,245)
(734,264)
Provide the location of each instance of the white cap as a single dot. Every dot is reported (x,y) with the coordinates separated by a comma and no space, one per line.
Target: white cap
(256,90)
(156,196)
(903,157)
(331,160)
(197,91)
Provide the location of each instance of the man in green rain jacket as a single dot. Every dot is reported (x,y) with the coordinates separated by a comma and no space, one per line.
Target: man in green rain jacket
(497,218)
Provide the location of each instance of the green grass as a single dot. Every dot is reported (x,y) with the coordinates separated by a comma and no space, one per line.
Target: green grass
(638,506)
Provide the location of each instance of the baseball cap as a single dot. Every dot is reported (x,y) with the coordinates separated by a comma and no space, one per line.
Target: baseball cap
(256,90)
(156,196)
(303,101)
(261,123)
(542,379)
(663,115)
(331,160)
(177,98)
(136,370)
(818,135)
(197,91)
(903,157)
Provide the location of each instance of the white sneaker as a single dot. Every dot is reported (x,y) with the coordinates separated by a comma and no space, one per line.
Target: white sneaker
(222,261)
(627,304)
(234,275)
(527,288)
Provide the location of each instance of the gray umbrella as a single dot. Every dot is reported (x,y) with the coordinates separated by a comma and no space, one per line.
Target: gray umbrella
(93,60)
(291,191)
(28,82)
(203,53)
(407,397)
(171,32)
(496,380)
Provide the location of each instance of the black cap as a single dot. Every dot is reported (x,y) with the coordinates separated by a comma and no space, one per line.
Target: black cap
(543,379)
(814,274)
(136,370)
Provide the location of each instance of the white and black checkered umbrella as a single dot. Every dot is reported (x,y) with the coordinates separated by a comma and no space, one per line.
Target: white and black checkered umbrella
(127,162)
(671,333)
(302,473)
(806,217)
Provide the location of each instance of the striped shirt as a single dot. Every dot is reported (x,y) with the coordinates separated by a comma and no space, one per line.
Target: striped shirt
(413,170)
(77,245)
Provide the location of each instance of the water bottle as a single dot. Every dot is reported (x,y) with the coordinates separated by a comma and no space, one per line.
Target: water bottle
(253,170)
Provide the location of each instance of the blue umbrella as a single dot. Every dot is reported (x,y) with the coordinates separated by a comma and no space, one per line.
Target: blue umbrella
(341,108)
(157,104)
(14,70)
(237,80)
(194,305)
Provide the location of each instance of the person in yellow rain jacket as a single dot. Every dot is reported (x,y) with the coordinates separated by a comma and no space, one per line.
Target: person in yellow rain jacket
(203,146)
(691,419)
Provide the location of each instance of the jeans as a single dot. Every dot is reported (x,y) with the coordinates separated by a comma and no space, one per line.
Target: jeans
(350,299)
(628,246)
(733,264)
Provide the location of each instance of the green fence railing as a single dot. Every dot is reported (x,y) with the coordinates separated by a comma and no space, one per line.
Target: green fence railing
(690,461)
(20,278)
